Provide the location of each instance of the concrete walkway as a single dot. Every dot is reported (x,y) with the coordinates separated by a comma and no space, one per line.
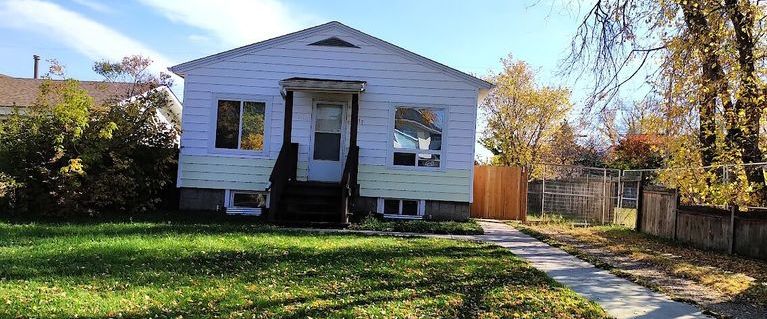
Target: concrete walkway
(619,297)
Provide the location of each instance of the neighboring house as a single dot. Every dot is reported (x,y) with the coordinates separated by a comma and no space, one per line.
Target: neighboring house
(321,122)
(21,93)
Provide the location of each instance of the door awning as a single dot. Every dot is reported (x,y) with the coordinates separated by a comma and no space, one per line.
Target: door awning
(322,85)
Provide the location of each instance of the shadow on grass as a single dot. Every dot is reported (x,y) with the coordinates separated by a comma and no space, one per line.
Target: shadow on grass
(123,262)
(174,217)
(186,273)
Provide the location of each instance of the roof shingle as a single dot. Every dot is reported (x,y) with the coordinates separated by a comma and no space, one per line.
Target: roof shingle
(23,92)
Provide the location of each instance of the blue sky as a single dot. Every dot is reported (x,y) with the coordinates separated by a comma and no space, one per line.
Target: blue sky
(469,35)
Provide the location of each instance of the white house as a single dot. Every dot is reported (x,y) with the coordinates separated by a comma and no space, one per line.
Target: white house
(315,124)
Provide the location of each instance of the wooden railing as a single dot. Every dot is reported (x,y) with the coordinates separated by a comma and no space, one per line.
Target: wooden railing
(349,186)
(283,172)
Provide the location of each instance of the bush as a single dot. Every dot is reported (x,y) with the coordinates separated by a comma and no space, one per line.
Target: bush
(68,156)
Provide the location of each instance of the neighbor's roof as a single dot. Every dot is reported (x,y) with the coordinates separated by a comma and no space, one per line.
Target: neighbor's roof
(182,68)
(23,92)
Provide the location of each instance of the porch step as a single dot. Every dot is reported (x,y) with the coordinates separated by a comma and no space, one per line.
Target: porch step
(311,202)
(313,189)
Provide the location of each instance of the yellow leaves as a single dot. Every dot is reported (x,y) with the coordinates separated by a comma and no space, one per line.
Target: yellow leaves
(521,114)
(75,167)
(73,107)
(106,132)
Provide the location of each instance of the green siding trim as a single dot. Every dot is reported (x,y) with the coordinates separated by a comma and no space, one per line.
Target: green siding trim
(225,172)
(445,185)
(302,173)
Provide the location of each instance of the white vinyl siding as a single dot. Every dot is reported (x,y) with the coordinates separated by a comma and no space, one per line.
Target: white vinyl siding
(392,79)
(224,172)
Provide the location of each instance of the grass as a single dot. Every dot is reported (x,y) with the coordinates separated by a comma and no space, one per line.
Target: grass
(732,275)
(623,216)
(469,227)
(155,269)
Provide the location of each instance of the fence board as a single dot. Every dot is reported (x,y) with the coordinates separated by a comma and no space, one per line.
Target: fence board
(704,230)
(704,227)
(659,212)
(500,193)
(751,236)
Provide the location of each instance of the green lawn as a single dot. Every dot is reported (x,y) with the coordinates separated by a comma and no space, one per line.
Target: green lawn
(240,270)
(469,227)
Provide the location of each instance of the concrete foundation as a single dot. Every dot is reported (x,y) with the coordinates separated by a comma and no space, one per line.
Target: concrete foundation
(443,210)
(201,199)
(434,210)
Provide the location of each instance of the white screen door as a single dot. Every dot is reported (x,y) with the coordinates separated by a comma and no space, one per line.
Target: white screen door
(325,163)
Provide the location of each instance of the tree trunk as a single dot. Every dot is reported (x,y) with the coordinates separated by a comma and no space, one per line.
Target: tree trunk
(745,130)
(712,75)
(707,118)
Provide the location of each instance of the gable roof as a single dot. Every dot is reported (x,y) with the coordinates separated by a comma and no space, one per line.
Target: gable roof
(182,68)
(23,92)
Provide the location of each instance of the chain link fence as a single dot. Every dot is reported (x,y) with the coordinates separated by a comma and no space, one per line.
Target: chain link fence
(576,194)
(598,196)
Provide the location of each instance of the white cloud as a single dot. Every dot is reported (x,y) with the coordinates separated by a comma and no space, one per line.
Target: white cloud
(197,38)
(90,38)
(234,22)
(95,6)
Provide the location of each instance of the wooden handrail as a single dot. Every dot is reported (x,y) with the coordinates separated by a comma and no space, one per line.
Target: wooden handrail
(349,187)
(283,172)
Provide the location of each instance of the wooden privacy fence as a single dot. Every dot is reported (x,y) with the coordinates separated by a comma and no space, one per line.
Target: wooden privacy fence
(743,233)
(500,193)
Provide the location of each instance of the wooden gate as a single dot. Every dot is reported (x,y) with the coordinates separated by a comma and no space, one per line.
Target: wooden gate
(500,193)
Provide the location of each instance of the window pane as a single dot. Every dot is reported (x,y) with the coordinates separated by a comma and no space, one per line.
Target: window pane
(428,160)
(253,126)
(255,200)
(227,124)
(409,207)
(328,118)
(405,159)
(418,128)
(391,206)
(327,146)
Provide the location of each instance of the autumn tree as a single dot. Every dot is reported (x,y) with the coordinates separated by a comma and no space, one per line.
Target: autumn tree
(562,147)
(637,151)
(521,114)
(705,60)
(132,69)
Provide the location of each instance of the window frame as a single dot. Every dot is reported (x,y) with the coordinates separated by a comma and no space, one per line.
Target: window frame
(391,126)
(242,98)
(420,213)
(229,201)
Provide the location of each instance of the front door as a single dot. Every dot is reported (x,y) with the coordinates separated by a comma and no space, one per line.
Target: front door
(325,160)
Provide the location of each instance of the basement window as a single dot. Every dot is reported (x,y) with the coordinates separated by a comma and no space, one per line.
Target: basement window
(246,202)
(401,208)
